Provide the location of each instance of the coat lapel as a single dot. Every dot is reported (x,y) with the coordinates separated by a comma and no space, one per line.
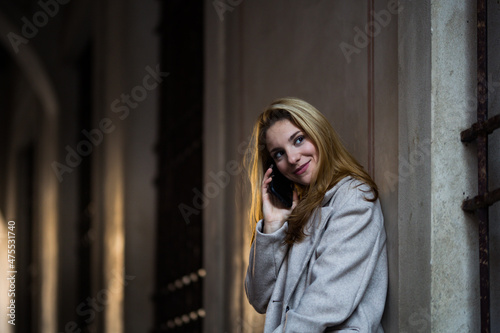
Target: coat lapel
(300,253)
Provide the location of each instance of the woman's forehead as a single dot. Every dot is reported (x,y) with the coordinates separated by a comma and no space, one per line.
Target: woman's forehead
(283,125)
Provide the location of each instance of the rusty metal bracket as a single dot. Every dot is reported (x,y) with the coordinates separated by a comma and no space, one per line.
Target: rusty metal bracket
(481,201)
(479,132)
(480,128)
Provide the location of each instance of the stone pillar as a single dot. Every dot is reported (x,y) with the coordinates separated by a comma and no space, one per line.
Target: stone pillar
(438,263)
(108,168)
(141,51)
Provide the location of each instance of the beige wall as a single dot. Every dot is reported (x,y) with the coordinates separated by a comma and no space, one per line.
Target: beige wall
(263,50)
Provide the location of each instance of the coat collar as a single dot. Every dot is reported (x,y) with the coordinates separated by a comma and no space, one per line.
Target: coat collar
(331,192)
(300,253)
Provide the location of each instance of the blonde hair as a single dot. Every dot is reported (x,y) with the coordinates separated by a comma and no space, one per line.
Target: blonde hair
(334,163)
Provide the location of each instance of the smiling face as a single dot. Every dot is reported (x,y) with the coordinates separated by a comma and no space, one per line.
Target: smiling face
(292,151)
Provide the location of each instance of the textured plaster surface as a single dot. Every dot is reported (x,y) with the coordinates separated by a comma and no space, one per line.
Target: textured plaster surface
(454,248)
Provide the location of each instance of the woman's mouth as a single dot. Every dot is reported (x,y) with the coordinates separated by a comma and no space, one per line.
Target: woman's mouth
(300,170)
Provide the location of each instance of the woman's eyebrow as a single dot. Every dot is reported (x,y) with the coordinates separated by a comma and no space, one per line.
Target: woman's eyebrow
(293,136)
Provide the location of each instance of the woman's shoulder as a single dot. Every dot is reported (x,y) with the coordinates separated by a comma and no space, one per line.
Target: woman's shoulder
(350,200)
(348,189)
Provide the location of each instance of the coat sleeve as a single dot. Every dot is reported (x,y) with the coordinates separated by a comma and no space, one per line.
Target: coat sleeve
(349,257)
(266,256)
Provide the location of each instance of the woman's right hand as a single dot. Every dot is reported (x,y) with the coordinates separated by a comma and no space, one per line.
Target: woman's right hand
(274,214)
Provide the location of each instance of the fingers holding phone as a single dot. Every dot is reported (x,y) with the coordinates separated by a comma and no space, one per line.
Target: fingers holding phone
(278,199)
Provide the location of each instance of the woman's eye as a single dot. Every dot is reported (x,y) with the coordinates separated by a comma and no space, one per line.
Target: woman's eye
(278,154)
(299,139)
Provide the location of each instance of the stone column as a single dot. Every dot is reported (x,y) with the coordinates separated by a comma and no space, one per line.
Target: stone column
(438,258)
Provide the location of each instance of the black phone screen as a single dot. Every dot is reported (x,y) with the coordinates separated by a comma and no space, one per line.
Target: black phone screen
(282,187)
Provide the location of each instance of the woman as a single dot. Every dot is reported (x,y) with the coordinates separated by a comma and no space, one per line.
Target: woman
(319,266)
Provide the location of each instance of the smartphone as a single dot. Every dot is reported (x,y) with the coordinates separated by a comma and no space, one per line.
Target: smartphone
(281,187)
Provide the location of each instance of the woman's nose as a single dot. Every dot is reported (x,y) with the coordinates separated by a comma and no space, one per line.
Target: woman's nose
(293,158)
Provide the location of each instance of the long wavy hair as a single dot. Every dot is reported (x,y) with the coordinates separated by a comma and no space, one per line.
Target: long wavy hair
(335,162)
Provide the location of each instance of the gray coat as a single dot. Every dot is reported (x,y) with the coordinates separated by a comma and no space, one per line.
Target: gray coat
(335,280)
